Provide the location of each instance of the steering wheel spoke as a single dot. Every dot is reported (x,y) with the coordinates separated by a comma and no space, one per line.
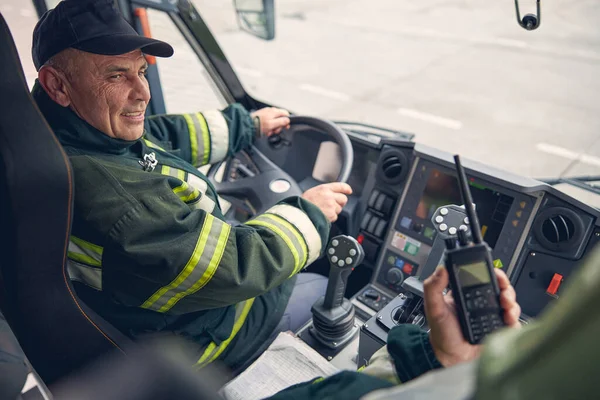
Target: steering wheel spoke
(272,184)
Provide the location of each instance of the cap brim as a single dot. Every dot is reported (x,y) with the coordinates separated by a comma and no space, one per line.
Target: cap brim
(121,44)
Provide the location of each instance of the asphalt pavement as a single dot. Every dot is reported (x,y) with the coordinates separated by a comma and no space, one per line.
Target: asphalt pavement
(460,74)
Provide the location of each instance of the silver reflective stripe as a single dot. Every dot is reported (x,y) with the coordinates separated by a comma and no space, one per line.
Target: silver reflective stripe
(86,274)
(304,225)
(219,135)
(203,202)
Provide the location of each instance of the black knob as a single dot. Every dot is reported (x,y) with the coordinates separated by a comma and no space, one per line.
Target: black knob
(463,238)
(450,243)
(372,294)
(394,276)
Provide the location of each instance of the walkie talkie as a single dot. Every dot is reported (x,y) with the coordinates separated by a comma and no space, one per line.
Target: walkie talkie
(472,278)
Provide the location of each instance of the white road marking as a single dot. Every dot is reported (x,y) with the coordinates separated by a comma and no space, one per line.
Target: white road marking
(249,72)
(325,92)
(434,119)
(479,40)
(568,154)
(6,8)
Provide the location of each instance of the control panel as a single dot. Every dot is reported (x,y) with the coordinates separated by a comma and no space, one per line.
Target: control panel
(537,234)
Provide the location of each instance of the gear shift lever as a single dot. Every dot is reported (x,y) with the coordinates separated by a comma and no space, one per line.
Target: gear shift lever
(333,315)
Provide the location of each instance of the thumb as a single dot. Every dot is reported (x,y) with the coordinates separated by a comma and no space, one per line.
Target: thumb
(435,305)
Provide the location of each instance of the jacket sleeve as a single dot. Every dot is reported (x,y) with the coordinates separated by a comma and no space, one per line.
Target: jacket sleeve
(165,256)
(203,137)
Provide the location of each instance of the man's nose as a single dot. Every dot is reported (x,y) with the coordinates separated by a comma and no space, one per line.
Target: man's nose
(141,90)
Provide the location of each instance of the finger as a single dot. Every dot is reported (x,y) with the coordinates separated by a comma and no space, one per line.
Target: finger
(333,218)
(280,112)
(508,297)
(435,305)
(282,121)
(503,281)
(340,187)
(341,199)
(338,209)
(278,131)
(511,316)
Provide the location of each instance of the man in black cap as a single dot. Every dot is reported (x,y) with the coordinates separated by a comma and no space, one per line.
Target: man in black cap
(150,249)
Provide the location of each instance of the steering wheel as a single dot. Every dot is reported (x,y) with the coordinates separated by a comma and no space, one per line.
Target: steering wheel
(273,184)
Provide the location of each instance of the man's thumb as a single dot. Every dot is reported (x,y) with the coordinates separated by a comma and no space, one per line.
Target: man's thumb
(435,306)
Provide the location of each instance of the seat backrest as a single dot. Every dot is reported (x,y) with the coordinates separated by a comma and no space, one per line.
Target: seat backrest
(56,330)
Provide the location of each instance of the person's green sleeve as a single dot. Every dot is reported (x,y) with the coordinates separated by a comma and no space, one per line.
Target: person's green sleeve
(203,137)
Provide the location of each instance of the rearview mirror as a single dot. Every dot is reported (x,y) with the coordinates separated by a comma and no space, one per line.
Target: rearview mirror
(256,17)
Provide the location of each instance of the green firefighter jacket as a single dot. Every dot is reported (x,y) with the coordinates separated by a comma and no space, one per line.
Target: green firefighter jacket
(150,250)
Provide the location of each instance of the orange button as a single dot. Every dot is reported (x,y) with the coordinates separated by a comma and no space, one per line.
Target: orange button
(554,284)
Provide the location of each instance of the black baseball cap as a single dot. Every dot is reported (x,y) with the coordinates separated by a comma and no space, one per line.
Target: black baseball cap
(94,26)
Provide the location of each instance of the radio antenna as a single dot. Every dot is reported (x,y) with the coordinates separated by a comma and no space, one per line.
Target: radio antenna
(465,193)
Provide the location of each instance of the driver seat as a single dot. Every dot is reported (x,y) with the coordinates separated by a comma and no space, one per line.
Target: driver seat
(57,331)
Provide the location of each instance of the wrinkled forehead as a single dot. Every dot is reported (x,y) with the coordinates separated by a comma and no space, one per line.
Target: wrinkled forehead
(101,62)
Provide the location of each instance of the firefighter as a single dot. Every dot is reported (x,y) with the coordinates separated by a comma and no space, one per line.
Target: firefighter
(150,249)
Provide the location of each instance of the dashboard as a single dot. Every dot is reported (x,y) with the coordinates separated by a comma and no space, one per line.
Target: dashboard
(538,234)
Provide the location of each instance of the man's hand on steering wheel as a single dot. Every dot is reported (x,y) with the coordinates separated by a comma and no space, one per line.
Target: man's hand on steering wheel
(272,120)
(329,197)
(447,340)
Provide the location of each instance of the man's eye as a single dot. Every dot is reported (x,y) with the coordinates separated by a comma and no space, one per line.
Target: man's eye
(144,72)
(117,76)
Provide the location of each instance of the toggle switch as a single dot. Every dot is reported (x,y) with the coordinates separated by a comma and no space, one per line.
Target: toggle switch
(554,284)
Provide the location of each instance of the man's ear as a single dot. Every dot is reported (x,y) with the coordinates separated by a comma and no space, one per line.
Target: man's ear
(55,84)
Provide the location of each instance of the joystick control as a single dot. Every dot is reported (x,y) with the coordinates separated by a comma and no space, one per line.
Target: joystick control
(333,315)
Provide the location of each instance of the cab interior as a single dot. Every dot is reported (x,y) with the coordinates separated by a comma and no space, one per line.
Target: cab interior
(539,234)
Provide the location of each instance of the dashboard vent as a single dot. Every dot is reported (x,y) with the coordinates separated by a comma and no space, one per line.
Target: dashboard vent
(558,229)
(392,166)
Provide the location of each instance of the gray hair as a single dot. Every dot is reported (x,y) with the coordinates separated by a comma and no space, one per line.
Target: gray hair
(64,62)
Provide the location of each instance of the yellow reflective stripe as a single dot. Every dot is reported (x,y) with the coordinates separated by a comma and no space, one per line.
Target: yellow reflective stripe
(189,267)
(198,271)
(192,196)
(165,170)
(152,145)
(82,258)
(193,137)
(295,232)
(283,236)
(87,245)
(84,252)
(205,138)
(210,354)
(209,350)
(208,274)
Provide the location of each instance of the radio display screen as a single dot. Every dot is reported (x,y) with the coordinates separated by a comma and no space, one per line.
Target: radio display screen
(491,206)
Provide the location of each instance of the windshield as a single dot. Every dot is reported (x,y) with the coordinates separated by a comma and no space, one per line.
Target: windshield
(459,74)
(462,75)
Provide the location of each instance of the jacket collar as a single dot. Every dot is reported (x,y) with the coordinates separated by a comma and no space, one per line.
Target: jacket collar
(72,131)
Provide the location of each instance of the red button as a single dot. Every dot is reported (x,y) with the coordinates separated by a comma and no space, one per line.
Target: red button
(407,268)
(554,284)
(360,238)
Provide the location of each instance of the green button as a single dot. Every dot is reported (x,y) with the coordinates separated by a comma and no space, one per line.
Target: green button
(391,260)
(411,249)
(498,263)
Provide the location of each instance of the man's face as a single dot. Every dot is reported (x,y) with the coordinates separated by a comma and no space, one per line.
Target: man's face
(111,93)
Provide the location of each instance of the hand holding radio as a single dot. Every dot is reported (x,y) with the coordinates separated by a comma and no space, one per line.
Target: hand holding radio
(446,336)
